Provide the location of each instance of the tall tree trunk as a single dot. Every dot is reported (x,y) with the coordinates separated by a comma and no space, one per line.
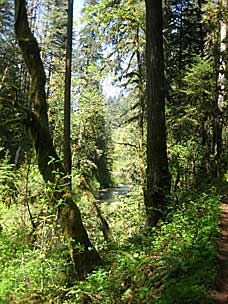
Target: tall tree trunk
(201,29)
(219,106)
(205,141)
(84,256)
(158,178)
(67,96)
(180,61)
(141,117)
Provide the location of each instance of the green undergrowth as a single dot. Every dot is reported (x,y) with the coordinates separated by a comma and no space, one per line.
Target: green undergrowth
(174,263)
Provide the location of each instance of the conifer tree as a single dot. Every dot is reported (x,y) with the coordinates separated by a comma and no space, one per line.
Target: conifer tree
(158,178)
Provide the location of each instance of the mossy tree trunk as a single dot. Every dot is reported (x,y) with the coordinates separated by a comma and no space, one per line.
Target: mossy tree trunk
(83,254)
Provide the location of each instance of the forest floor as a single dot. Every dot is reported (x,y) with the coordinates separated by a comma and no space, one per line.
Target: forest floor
(220,294)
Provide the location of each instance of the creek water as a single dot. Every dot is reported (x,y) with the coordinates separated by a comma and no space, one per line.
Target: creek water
(109,195)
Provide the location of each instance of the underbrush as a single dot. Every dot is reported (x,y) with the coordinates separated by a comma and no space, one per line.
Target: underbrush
(173,263)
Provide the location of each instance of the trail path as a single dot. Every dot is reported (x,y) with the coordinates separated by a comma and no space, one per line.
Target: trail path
(220,295)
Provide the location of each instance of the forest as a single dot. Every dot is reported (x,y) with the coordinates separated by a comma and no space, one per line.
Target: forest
(113,151)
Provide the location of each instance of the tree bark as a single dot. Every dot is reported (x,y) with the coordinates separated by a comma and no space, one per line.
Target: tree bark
(141,116)
(201,28)
(158,178)
(222,92)
(83,254)
(67,96)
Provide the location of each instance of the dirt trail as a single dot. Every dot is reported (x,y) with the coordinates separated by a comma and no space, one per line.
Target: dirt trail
(220,295)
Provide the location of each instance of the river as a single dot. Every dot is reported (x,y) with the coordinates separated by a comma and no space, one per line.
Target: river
(108,195)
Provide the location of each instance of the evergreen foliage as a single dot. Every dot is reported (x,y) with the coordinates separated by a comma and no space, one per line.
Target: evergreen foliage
(50,252)
(92,143)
